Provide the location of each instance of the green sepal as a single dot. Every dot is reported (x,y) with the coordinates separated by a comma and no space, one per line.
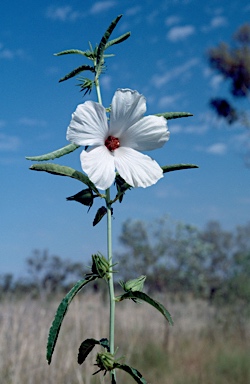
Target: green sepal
(174,115)
(118,40)
(61,312)
(104,343)
(134,284)
(87,346)
(55,154)
(105,361)
(84,197)
(142,296)
(121,186)
(177,167)
(137,376)
(62,170)
(102,44)
(100,266)
(101,212)
(76,71)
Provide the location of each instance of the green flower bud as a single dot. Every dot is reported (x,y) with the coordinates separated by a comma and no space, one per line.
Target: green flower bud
(84,197)
(105,361)
(133,285)
(100,266)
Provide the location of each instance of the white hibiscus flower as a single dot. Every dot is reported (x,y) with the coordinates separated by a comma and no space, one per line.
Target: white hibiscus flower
(115,144)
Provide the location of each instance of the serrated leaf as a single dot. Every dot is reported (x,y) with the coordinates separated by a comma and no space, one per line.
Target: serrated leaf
(60,314)
(55,154)
(62,170)
(142,296)
(177,167)
(85,349)
(137,376)
(103,42)
(118,40)
(74,51)
(174,115)
(76,71)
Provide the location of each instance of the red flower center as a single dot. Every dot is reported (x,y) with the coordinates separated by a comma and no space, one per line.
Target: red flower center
(112,143)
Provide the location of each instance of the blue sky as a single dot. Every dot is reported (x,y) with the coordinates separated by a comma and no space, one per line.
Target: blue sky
(165,59)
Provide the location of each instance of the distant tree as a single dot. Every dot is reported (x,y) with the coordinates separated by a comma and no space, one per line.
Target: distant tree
(171,254)
(6,282)
(212,263)
(49,273)
(233,63)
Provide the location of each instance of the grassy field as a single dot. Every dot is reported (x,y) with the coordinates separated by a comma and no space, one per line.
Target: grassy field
(197,349)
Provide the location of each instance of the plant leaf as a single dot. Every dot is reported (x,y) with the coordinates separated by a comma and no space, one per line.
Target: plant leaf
(132,372)
(87,346)
(103,42)
(61,170)
(118,40)
(61,312)
(174,115)
(76,71)
(142,296)
(104,343)
(121,186)
(69,51)
(85,349)
(55,154)
(177,167)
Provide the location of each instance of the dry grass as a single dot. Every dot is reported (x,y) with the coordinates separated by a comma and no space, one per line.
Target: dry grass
(193,351)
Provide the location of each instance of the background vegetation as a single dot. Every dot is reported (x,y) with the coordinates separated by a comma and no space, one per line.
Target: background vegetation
(201,275)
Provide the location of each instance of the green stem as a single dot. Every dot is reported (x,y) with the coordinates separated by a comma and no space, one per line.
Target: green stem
(110,256)
(98,90)
(110,281)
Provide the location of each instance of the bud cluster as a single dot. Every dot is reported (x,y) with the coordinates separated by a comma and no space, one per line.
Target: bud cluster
(134,284)
(100,266)
(105,361)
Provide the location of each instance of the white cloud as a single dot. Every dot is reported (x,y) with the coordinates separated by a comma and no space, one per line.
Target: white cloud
(29,122)
(9,143)
(101,6)
(151,17)
(180,33)
(189,129)
(216,22)
(133,11)
(63,13)
(214,149)
(162,79)
(217,149)
(167,101)
(9,54)
(215,81)
(106,82)
(171,20)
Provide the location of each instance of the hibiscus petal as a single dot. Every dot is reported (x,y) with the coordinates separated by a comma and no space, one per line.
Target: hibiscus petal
(98,164)
(89,125)
(136,169)
(127,108)
(149,133)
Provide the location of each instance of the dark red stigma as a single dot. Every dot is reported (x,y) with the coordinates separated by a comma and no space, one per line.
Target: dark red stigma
(112,143)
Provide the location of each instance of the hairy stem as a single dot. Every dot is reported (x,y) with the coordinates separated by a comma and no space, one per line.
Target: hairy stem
(110,259)
(110,281)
